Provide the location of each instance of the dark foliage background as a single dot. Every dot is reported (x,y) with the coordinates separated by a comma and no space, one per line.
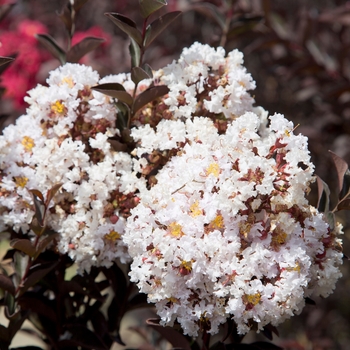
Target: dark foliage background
(299,54)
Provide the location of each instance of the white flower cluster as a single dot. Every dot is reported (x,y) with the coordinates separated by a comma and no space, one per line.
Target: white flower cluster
(63,139)
(210,204)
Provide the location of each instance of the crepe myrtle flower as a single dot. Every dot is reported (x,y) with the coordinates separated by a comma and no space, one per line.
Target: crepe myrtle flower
(226,231)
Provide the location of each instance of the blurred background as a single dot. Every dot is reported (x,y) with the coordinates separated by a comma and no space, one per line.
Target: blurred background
(297,51)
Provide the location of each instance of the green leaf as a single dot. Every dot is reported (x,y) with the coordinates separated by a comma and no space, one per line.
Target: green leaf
(323,195)
(23,245)
(82,48)
(7,284)
(114,90)
(36,273)
(149,95)
(343,172)
(127,25)
(135,53)
(138,74)
(51,44)
(147,7)
(157,26)
(210,11)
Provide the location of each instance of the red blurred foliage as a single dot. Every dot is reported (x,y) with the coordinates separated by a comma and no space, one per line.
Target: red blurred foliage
(21,74)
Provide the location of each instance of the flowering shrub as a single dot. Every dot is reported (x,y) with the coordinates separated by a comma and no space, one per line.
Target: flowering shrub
(174,177)
(221,229)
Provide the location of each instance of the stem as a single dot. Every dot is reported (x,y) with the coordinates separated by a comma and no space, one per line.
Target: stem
(227,25)
(205,340)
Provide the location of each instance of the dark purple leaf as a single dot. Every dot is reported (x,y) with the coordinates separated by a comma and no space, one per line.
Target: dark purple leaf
(4,60)
(158,25)
(38,304)
(343,172)
(118,146)
(51,44)
(114,90)
(147,7)
(147,68)
(149,95)
(344,205)
(323,195)
(30,347)
(210,11)
(135,53)
(127,25)
(65,16)
(78,4)
(36,273)
(7,284)
(4,337)
(138,74)
(24,245)
(5,9)
(81,336)
(309,301)
(51,193)
(82,48)
(44,243)
(176,339)
(21,262)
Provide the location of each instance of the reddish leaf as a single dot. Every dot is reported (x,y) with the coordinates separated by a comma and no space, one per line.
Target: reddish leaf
(147,68)
(78,4)
(127,25)
(7,284)
(39,206)
(82,48)
(5,9)
(158,25)
(147,7)
(65,16)
(344,205)
(149,95)
(24,245)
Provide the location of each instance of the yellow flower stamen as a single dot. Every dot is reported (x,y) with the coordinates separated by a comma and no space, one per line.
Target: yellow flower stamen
(175,229)
(28,143)
(187,265)
(113,236)
(218,222)
(253,299)
(195,210)
(69,81)
(58,107)
(214,169)
(21,181)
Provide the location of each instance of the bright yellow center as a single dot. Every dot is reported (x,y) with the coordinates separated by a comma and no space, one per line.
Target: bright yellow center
(279,237)
(113,236)
(58,107)
(214,169)
(28,143)
(253,298)
(175,229)
(195,210)
(218,222)
(186,265)
(21,181)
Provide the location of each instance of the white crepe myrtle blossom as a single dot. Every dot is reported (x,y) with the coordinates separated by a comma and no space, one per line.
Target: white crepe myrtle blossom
(63,139)
(226,232)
